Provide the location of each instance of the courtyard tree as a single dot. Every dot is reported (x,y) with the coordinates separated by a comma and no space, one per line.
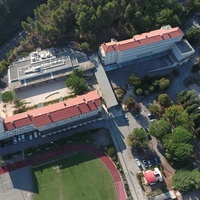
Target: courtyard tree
(134,80)
(164,83)
(8,96)
(132,105)
(76,84)
(160,128)
(138,138)
(85,46)
(129,102)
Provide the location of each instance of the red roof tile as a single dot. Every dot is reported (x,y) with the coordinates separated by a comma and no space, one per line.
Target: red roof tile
(150,177)
(55,112)
(142,39)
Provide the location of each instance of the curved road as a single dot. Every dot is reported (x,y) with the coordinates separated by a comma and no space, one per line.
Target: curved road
(12,43)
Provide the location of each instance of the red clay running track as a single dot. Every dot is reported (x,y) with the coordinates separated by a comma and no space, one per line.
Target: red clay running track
(121,195)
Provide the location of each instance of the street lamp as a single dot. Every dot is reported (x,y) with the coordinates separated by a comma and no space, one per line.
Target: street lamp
(54,144)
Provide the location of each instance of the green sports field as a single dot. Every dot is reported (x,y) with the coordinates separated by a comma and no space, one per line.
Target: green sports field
(76,176)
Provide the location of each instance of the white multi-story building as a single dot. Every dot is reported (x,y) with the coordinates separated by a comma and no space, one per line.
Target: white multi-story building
(48,119)
(146,44)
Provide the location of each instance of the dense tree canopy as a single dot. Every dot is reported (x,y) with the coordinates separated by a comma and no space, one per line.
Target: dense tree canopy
(138,138)
(186,180)
(164,100)
(160,128)
(193,35)
(191,102)
(89,17)
(178,146)
(177,116)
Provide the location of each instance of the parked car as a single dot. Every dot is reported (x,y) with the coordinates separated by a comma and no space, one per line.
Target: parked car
(156,161)
(149,137)
(146,129)
(23,138)
(30,137)
(151,117)
(35,134)
(139,164)
(150,163)
(145,163)
(19,138)
(14,140)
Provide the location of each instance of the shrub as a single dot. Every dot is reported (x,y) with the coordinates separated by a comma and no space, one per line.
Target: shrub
(139,92)
(85,46)
(111,152)
(195,68)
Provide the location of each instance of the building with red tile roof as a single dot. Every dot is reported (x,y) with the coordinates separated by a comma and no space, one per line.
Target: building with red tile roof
(142,45)
(55,116)
(150,177)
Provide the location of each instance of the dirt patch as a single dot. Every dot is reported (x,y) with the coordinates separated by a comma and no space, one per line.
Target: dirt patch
(102,138)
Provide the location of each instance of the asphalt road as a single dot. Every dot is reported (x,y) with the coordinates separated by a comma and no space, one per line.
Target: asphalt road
(12,43)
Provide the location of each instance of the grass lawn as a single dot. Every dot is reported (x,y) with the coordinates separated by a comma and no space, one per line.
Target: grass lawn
(78,175)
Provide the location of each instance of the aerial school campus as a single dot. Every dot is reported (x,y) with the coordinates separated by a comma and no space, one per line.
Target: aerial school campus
(74,170)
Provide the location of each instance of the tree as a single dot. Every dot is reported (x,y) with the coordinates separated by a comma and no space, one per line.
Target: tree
(76,84)
(8,96)
(164,83)
(132,105)
(139,92)
(193,35)
(85,46)
(178,146)
(166,16)
(182,135)
(134,80)
(155,109)
(185,181)
(129,102)
(164,100)
(160,128)
(78,72)
(138,138)
(177,116)
(26,26)
(19,103)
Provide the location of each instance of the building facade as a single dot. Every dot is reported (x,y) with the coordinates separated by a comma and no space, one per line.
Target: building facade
(146,44)
(48,119)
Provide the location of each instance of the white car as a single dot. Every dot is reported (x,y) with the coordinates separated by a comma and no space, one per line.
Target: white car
(23,138)
(14,140)
(19,139)
(31,137)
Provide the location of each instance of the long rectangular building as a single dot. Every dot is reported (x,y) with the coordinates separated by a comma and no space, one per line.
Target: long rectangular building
(65,114)
(145,44)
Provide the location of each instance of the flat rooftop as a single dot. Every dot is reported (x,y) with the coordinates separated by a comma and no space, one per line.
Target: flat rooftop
(184,46)
(43,65)
(104,84)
